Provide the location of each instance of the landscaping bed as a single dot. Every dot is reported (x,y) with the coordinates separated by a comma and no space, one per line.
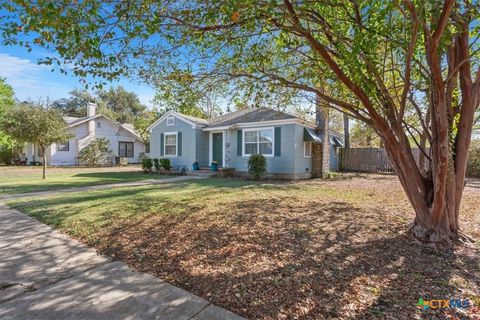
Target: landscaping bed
(335,249)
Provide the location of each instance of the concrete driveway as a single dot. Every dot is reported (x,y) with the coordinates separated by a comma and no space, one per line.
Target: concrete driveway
(46,275)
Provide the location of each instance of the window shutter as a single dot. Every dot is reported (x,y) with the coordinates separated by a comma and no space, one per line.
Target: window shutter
(239,143)
(161,144)
(278,141)
(179,144)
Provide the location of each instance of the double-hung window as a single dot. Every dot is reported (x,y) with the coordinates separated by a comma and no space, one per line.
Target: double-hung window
(307,149)
(147,147)
(170,144)
(63,146)
(258,141)
(125,149)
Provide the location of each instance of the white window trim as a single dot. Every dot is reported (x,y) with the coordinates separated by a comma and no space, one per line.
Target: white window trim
(165,144)
(67,143)
(259,129)
(305,149)
(170,117)
(126,148)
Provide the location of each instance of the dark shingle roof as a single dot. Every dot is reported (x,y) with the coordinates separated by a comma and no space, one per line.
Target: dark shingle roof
(248,115)
(196,120)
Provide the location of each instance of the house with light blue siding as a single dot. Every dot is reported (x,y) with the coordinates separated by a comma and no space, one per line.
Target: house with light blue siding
(285,141)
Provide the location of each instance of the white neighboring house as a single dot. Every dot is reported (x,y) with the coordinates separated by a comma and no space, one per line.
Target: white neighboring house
(124,141)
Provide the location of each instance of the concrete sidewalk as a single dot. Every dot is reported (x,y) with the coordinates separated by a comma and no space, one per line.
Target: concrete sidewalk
(100,187)
(46,275)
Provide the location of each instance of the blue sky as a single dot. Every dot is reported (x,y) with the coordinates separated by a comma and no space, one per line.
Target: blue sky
(33,81)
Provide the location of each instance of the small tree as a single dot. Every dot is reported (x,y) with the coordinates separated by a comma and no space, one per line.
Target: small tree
(6,103)
(36,124)
(95,152)
(257,166)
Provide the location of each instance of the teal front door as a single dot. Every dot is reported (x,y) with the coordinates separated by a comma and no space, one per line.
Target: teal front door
(217,147)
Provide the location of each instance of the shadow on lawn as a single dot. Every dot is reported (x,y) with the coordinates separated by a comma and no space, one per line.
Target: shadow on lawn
(473,182)
(77,180)
(120,176)
(137,199)
(279,258)
(269,260)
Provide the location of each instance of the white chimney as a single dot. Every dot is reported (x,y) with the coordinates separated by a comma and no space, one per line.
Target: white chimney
(91,109)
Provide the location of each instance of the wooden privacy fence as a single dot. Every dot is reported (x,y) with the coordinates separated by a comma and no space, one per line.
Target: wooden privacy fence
(364,160)
(369,159)
(376,160)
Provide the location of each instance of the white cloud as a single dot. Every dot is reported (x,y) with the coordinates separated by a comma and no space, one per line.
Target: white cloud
(20,73)
(31,80)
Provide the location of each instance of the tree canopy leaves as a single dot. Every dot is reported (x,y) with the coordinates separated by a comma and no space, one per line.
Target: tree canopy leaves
(7,102)
(35,124)
(406,69)
(116,103)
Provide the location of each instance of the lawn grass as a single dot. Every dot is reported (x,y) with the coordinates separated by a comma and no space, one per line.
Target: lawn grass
(16,180)
(312,250)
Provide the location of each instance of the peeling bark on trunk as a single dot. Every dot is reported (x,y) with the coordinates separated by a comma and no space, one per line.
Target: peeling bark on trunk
(453,94)
(434,196)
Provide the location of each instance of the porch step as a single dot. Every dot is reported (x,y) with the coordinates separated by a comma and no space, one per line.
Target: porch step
(208,168)
(203,172)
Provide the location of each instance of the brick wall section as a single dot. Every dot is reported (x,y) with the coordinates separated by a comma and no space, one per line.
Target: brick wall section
(317,160)
(320,160)
(321,151)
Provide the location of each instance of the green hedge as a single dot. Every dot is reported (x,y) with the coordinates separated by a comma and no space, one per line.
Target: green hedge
(257,166)
(147,165)
(156,164)
(165,163)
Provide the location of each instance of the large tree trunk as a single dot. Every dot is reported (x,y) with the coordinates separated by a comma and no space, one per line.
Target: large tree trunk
(432,194)
(435,194)
(437,199)
(434,224)
(44,169)
(346,130)
(323,128)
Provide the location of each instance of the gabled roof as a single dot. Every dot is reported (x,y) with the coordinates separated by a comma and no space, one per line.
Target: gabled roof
(198,121)
(193,121)
(74,121)
(228,117)
(241,118)
(69,120)
(131,129)
(249,115)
